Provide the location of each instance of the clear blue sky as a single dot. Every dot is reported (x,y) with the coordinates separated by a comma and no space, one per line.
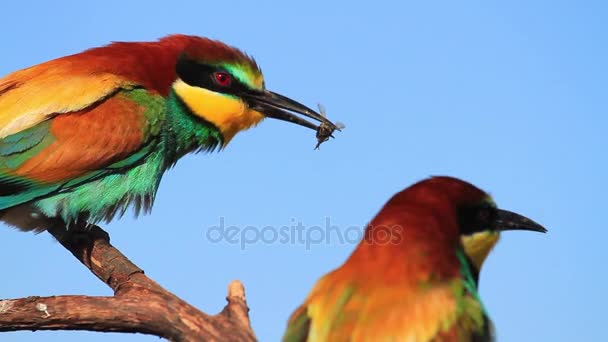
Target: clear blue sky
(510,96)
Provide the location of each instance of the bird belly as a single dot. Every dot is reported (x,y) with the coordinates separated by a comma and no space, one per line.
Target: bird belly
(106,197)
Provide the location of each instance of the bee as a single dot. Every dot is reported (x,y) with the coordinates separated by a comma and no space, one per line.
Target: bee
(326,128)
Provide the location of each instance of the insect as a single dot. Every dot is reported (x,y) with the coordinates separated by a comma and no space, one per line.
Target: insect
(326,128)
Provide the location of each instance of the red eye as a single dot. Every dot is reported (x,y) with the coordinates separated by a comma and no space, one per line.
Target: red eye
(222,78)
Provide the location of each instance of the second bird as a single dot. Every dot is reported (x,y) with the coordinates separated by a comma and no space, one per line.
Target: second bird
(414,275)
(85,136)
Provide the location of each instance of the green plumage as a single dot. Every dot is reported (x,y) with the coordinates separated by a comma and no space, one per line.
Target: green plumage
(15,150)
(345,311)
(168,131)
(362,305)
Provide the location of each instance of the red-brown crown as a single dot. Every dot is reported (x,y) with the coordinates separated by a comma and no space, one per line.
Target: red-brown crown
(435,198)
(152,64)
(210,51)
(441,189)
(418,229)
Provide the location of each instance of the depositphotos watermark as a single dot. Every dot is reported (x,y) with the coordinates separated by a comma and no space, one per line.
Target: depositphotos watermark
(300,234)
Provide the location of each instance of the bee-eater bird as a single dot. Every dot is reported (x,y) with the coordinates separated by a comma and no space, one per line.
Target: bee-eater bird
(413,277)
(86,136)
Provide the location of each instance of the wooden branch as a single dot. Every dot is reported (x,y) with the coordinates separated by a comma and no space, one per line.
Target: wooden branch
(139,304)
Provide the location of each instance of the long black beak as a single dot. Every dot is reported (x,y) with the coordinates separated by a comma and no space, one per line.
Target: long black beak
(277,106)
(507,220)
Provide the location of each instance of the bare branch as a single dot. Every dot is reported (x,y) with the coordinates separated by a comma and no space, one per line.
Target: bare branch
(139,304)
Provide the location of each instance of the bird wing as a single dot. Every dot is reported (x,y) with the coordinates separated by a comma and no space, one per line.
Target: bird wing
(351,312)
(298,326)
(52,144)
(69,84)
(313,320)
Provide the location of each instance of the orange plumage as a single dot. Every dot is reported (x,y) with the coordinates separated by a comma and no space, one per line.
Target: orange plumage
(84,136)
(75,82)
(96,149)
(410,278)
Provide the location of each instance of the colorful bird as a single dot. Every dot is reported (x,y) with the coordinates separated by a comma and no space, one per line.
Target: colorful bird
(413,277)
(86,136)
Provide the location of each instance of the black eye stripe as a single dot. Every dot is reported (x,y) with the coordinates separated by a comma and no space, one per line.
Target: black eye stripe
(476,218)
(202,76)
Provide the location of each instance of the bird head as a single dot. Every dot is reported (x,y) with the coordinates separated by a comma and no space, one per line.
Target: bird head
(480,221)
(225,87)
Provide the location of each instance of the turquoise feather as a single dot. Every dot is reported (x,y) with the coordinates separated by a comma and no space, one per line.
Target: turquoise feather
(170,131)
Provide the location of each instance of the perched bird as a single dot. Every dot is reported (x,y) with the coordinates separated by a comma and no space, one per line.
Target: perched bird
(86,136)
(414,275)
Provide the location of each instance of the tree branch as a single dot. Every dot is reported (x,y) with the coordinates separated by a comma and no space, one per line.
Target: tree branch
(139,304)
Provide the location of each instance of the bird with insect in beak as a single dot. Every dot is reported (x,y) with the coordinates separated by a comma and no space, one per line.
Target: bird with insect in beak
(86,136)
(414,275)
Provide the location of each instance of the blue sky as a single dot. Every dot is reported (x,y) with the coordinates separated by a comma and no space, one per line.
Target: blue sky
(508,95)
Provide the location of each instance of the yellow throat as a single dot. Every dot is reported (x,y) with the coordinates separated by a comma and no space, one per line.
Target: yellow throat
(477,246)
(228,113)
